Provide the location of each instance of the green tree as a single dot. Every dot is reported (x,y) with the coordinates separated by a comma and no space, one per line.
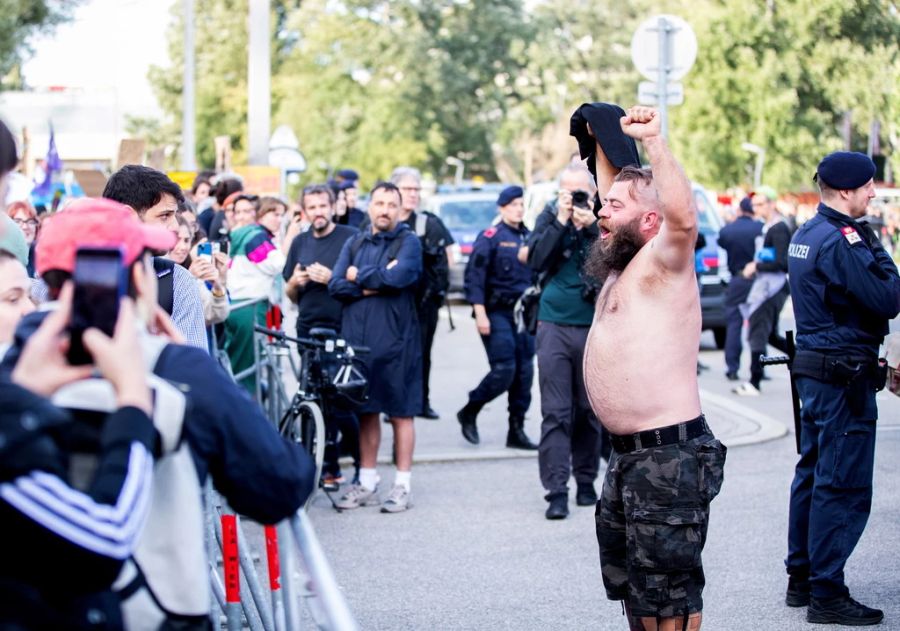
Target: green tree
(339,88)
(368,84)
(22,19)
(782,75)
(579,53)
(220,73)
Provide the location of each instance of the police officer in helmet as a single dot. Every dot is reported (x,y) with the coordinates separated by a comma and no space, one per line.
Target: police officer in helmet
(845,289)
(496,275)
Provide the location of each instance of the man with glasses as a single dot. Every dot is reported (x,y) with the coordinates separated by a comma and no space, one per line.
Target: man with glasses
(768,271)
(24,216)
(435,280)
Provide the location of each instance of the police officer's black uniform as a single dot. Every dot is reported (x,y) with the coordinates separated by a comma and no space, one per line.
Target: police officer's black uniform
(496,279)
(845,289)
(432,289)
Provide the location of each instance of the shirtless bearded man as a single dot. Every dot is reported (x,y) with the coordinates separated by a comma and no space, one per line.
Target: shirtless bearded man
(640,368)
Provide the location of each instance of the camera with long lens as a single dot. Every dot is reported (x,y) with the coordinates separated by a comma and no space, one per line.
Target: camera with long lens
(580,199)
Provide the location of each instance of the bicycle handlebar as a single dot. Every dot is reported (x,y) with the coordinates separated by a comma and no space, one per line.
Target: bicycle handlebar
(302,341)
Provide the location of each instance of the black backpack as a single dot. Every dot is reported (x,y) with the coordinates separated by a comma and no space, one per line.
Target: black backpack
(392,252)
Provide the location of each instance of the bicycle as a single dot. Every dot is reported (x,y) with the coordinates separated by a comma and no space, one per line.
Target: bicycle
(328,377)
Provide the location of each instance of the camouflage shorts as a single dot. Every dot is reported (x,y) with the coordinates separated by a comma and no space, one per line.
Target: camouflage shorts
(652,519)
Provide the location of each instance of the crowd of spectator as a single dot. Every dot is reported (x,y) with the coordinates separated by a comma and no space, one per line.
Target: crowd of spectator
(207,265)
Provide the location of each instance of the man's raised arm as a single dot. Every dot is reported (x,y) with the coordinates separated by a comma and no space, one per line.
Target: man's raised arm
(678,234)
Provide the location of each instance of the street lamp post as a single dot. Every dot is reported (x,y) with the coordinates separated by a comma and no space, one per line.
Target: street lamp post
(259,100)
(760,161)
(188,135)
(460,168)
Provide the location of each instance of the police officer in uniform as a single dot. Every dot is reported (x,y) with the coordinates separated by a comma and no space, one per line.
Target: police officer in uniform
(738,239)
(845,289)
(495,278)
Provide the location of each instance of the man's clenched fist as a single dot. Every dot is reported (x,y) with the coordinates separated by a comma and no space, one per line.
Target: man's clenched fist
(641,122)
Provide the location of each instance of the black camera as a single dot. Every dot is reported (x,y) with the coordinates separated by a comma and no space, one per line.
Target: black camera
(580,199)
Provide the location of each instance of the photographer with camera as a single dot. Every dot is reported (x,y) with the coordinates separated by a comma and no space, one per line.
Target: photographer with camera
(571,437)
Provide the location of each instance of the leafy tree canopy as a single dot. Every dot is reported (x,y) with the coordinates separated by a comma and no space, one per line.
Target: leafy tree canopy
(371,84)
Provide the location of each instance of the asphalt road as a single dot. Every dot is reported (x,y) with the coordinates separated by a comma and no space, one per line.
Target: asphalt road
(475,551)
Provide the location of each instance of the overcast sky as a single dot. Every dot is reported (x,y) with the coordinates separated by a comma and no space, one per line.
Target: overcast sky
(108,44)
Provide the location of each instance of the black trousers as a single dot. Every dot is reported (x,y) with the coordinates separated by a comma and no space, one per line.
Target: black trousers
(572,439)
(763,331)
(737,292)
(427,312)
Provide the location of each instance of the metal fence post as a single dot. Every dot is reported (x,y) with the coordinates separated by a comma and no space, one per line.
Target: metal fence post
(232,573)
(274,569)
(287,557)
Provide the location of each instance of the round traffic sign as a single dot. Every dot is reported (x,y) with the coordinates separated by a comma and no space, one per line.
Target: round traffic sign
(682,46)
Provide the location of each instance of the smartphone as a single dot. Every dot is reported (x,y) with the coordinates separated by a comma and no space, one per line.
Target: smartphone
(205,251)
(100,282)
(216,247)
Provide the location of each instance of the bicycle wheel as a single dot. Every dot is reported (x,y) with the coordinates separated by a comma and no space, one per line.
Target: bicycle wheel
(307,428)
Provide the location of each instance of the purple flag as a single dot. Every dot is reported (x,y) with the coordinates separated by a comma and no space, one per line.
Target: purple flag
(54,165)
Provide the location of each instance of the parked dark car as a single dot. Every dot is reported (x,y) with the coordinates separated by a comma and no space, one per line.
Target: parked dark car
(465,215)
(712,268)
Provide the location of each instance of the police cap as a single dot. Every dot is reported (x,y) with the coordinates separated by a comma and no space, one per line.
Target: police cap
(845,170)
(509,194)
(348,174)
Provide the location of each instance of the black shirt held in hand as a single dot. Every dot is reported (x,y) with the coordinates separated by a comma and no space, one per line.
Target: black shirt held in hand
(316,306)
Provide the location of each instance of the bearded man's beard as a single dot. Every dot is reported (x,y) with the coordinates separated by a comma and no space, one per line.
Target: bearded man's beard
(614,253)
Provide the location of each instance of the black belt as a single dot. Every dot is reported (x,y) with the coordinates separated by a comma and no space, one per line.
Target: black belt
(668,435)
(833,369)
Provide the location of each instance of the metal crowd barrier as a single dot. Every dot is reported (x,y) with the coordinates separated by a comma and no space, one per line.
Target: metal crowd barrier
(292,551)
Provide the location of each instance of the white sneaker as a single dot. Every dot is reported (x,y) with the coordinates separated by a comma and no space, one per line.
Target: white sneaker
(746,390)
(358,495)
(397,501)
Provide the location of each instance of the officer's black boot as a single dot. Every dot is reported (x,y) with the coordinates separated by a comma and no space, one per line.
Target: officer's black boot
(585,495)
(516,437)
(466,418)
(558,507)
(843,610)
(797,592)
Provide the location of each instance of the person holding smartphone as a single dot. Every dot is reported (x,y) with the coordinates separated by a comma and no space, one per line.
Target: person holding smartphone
(210,269)
(71,539)
(224,433)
